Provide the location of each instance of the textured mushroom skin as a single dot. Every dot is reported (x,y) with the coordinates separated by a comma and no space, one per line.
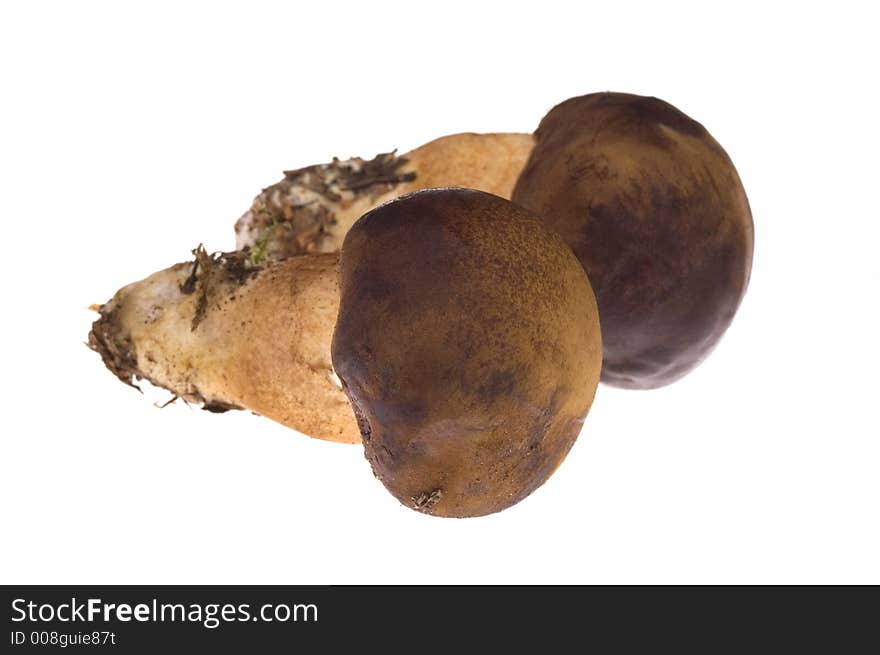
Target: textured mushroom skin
(655,211)
(468,344)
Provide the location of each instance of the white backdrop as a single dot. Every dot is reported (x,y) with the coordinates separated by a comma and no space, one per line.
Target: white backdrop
(130,134)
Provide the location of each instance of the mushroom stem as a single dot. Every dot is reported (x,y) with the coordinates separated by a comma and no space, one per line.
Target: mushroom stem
(230,335)
(312,208)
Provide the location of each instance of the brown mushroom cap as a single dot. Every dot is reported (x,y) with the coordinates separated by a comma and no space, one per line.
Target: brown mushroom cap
(655,211)
(468,343)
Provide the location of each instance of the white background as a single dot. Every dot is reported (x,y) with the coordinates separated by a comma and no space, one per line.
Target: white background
(129,135)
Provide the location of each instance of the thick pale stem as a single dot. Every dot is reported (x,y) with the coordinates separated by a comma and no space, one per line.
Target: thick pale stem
(312,208)
(235,337)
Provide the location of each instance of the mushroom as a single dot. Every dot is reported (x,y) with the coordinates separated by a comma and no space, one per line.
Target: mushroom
(251,329)
(654,209)
(468,343)
(647,199)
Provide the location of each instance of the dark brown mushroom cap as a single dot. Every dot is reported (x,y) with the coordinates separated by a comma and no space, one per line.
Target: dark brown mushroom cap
(655,211)
(468,343)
